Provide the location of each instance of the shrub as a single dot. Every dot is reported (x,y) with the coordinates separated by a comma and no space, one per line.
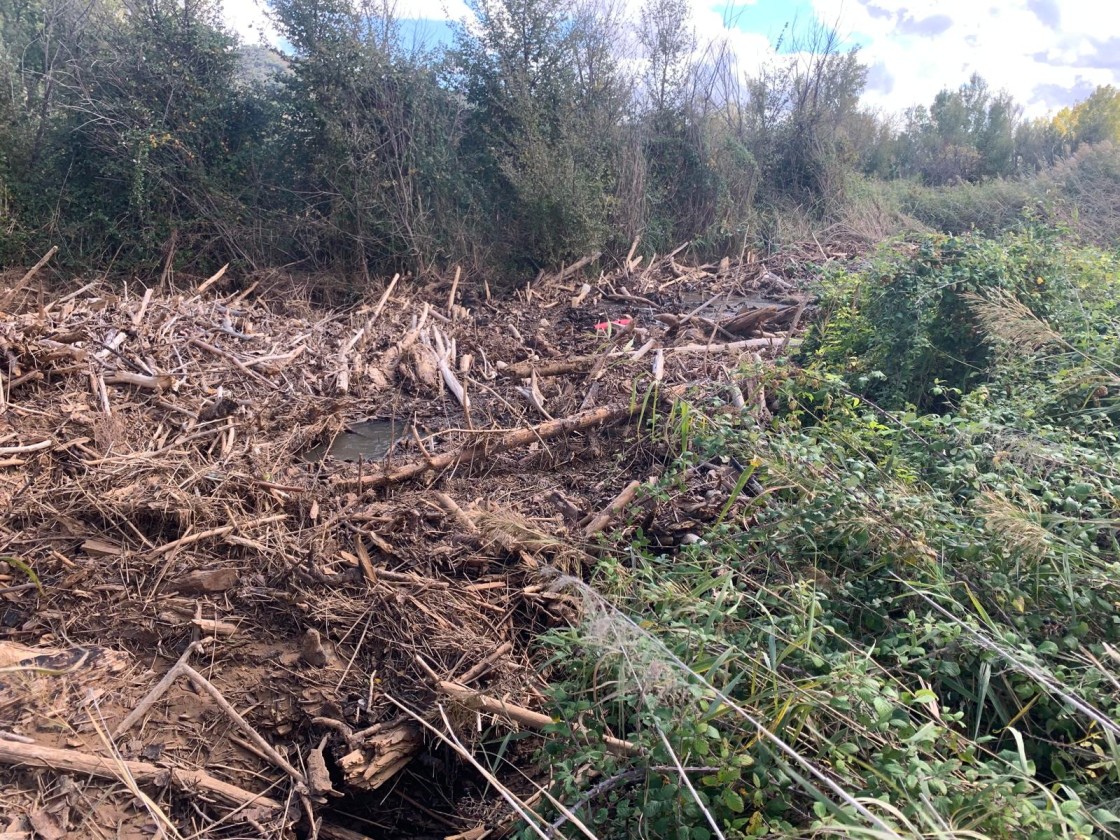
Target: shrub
(911,628)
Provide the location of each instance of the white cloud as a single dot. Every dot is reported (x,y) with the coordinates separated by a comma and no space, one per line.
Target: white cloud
(1011,44)
(1035,49)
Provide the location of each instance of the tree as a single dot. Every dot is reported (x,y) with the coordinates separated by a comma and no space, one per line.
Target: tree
(369,139)
(1094,120)
(153,110)
(540,132)
(800,105)
(967,134)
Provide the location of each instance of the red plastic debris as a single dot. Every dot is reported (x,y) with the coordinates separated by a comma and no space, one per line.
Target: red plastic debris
(606,325)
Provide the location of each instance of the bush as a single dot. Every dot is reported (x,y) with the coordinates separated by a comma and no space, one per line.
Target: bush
(920,607)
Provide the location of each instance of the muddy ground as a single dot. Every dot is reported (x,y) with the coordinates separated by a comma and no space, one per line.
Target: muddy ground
(264,562)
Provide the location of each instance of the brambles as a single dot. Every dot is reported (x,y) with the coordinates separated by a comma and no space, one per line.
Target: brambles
(922,601)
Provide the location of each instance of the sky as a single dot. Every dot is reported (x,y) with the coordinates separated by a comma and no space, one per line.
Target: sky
(1045,53)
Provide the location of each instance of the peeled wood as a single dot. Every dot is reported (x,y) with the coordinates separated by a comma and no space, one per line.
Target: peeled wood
(72,761)
(733,346)
(612,510)
(519,714)
(159,383)
(381,757)
(488,448)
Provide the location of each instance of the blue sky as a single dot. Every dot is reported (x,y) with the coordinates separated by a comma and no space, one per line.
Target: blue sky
(1046,53)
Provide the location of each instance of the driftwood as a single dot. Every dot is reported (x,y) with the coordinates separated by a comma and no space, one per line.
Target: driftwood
(487,448)
(382,754)
(617,505)
(73,761)
(519,714)
(733,346)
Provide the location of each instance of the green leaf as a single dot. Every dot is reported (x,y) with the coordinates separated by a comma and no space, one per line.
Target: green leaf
(732,801)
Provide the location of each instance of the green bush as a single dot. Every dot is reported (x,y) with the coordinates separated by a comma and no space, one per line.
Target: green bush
(922,608)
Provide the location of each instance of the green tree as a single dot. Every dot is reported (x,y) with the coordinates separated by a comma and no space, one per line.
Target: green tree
(967,134)
(155,133)
(1095,120)
(540,151)
(367,154)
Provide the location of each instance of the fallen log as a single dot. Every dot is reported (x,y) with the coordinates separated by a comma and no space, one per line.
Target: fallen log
(733,346)
(187,781)
(557,367)
(486,449)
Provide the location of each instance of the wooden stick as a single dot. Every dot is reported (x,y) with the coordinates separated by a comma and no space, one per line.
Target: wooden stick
(9,296)
(488,448)
(229,357)
(160,688)
(191,539)
(630,253)
(519,714)
(578,264)
(484,664)
(159,383)
(452,507)
(451,297)
(30,447)
(617,505)
(259,742)
(71,295)
(139,316)
(384,298)
(218,275)
(558,367)
(733,346)
(73,761)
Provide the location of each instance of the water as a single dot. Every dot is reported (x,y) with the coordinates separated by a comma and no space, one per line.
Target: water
(369,440)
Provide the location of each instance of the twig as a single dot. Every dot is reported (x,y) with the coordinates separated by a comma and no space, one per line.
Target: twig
(9,296)
(159,689)
(617,505)
(73,761)
(384,297)
(519,714)
(484,665)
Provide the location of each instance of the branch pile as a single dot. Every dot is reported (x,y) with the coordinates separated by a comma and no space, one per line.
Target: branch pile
(222,633)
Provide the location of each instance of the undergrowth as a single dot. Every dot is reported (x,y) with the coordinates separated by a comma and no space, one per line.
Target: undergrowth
(913,629)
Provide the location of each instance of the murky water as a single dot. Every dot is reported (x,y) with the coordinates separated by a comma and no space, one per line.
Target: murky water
(369,440)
